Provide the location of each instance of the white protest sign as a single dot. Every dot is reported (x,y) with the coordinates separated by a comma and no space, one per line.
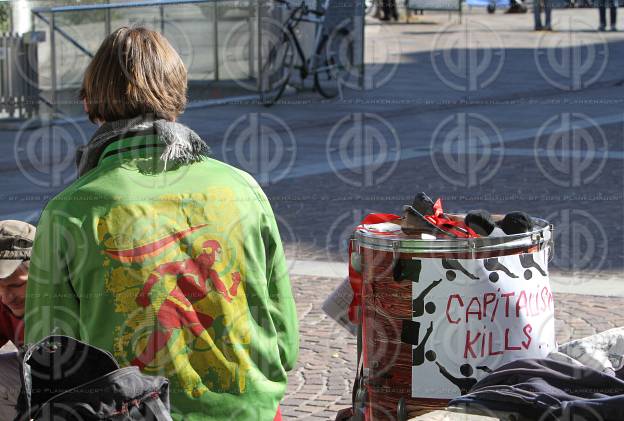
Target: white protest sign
(337,304)
(470,316)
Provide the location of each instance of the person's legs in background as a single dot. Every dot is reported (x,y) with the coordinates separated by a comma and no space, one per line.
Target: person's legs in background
(385,5)
(393,10)
(548,13)
(378,6)
(614,6)
(537,11)
(602,12)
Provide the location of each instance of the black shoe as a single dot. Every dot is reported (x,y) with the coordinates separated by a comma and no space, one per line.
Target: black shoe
(602,28)
(480,221)
(413,221)
(385,18)
(516,223)
(423,204)
(548,28)
(538,28)
(613,29)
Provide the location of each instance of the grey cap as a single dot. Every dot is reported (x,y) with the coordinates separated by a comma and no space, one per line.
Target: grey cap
(16,240)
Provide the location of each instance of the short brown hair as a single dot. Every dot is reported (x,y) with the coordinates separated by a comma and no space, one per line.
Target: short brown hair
(134,72)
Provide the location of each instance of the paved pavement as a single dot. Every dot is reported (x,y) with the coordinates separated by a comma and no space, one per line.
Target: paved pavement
(483,114)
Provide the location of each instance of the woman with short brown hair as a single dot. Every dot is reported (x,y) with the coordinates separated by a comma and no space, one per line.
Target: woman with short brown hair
(165,257)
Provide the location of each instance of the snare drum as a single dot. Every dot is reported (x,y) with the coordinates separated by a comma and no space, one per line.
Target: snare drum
(418,353)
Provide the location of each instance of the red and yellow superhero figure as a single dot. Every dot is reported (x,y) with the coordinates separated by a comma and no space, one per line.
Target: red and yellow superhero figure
(177,311)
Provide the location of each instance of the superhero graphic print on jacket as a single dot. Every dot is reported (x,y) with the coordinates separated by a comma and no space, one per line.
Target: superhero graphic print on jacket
(178,276)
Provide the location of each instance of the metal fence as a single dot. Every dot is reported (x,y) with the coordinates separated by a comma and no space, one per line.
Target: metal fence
(19,80)
(216,39)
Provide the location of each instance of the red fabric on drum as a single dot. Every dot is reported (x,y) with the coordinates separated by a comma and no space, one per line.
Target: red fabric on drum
(355,278)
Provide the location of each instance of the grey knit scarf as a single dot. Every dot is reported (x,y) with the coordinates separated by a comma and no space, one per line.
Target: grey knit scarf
(182,145)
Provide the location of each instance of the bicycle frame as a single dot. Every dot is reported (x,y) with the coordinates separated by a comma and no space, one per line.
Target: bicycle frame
(307,64)
(291,24)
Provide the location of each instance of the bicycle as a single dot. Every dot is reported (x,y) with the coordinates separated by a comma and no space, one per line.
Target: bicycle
(331,64)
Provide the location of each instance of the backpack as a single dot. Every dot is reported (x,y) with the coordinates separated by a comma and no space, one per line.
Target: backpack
(66,379)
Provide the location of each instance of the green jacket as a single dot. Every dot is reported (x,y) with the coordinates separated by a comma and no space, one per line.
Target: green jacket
(173,264)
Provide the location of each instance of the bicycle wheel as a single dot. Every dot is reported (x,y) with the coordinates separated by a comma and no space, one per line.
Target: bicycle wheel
(335,67)
(276,71)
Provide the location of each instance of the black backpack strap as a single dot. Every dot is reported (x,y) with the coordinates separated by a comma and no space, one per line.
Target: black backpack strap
(22,408)
(156,410)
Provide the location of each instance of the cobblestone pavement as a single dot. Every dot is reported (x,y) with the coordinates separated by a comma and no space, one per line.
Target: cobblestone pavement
(321,383)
